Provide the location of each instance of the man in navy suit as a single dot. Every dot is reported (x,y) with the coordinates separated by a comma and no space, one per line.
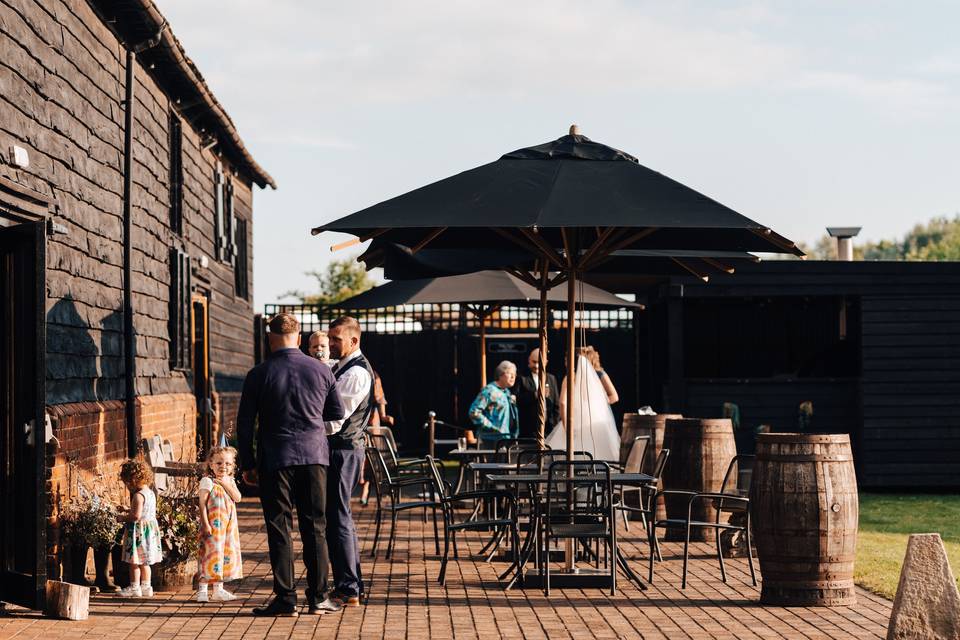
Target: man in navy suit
(288,397)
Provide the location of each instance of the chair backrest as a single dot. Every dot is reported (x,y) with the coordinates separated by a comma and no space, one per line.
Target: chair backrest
(738,476)
(381,441)
(436,475)
(579,488)
(542,458)
(661,462)
(378,464)
(507,448)
(638,451)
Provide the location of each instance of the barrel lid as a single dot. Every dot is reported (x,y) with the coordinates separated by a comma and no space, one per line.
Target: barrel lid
(803,438)
(698,423)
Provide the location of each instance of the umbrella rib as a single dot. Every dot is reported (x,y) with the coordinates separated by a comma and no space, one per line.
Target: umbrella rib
(521,242)
(634,238)
(359,239)
(430,237)
(691,269)
(597,245)
(780,241)
(546,250)
(718,265)
(523,276)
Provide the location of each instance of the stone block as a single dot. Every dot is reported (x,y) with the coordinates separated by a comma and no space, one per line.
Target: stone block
(927,605)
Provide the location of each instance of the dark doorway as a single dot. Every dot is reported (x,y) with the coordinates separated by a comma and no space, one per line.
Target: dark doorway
(22,427)
(200,322)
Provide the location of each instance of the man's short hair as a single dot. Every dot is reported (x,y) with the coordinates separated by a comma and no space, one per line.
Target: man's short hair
(284,323)
(349,324)
(318,334)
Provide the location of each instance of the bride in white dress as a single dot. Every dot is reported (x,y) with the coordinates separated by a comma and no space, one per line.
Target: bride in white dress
(594,428)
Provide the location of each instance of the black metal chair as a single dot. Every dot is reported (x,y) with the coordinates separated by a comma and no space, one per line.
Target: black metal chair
(507,449)
(386,485)
(447,500)
(579,506)
(382,438)
(633,464)
(732,498)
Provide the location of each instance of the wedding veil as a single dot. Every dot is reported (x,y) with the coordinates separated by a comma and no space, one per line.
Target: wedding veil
(594,428)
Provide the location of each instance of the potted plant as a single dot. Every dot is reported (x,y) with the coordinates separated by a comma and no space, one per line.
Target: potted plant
(89,520)
(178,515)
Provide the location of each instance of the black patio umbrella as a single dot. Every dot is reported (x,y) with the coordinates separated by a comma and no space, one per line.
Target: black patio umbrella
(483,293)
(570,204)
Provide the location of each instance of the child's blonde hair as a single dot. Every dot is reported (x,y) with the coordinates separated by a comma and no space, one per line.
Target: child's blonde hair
(136,473)
(230,451)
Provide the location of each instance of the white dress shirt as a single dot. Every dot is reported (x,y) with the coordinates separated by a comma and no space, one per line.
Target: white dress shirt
(354,386)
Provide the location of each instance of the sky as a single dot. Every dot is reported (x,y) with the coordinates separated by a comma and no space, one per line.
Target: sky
(799,115)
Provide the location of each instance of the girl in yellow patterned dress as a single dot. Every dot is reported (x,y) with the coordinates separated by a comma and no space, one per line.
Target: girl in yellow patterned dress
(219,534)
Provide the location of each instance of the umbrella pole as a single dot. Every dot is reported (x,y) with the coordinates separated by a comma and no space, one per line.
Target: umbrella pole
(571,359)
(483,347)
(542,364)
(568,417)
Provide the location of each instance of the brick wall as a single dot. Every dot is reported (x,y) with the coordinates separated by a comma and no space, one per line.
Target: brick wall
(93,443)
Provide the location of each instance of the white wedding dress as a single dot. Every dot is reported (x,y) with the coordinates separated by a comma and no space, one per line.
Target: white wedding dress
(594,428)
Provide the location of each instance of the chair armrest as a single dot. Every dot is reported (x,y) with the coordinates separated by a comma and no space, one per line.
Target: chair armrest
(674,492)
(409,482)
(473,495)
(724,496)
(410,461)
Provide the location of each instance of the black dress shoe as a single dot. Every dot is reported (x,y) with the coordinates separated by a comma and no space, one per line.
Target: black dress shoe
(276,608)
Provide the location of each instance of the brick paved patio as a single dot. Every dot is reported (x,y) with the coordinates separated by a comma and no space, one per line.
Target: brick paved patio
(407,602)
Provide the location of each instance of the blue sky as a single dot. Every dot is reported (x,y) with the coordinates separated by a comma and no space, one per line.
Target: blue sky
(797,114)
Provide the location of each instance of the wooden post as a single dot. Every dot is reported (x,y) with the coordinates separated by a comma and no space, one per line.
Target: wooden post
(432,424)
(571,358)
(542,364)
(67,601)
(483,346)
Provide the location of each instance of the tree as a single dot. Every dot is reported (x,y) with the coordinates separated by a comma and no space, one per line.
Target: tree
(937,240)
(340,280)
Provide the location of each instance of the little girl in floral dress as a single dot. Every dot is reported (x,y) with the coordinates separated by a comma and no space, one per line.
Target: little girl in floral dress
(141,533)
(219,534)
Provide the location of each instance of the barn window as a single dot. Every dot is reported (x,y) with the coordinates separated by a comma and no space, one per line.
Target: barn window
(240,265)
(224,243)
(179,310)
(176,175)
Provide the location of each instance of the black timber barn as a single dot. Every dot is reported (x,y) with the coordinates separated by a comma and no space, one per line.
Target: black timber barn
(874,346)
(125,261)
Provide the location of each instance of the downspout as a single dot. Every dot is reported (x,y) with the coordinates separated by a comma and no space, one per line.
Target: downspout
(129,340)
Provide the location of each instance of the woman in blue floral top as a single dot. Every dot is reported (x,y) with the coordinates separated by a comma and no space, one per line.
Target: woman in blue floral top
(494,411)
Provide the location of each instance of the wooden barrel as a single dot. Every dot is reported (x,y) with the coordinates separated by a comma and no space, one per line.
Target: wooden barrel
(804,508)
(700,452)
(635,425)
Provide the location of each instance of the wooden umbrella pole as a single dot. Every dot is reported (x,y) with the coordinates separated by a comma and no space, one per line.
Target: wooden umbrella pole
(571,358)
(568,414)
(483,346)
(542,363)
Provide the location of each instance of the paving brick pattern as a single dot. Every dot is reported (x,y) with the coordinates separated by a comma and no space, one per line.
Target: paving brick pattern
(407,602)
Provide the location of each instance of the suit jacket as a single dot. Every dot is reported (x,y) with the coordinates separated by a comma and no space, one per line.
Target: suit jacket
(526,391)
(288,397)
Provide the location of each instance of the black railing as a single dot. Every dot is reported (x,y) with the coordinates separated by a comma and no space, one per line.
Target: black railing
(415,318)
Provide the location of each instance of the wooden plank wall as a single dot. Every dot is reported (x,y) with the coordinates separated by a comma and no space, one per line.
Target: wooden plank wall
(911,390)
(61,92)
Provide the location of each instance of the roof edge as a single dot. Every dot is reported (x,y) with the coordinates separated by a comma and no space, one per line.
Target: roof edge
(173,69)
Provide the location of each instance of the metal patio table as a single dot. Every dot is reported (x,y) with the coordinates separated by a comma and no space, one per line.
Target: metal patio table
(529,543)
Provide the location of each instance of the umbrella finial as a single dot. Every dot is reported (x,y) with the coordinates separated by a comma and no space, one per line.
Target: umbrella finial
(574,130)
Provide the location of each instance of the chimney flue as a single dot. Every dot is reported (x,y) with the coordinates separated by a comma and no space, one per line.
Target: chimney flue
(844,236)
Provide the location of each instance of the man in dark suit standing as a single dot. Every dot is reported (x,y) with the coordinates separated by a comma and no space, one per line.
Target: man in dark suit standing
(288,397)
(525,389)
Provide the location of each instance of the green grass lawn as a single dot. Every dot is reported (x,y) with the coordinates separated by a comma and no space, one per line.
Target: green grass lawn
(886,520)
